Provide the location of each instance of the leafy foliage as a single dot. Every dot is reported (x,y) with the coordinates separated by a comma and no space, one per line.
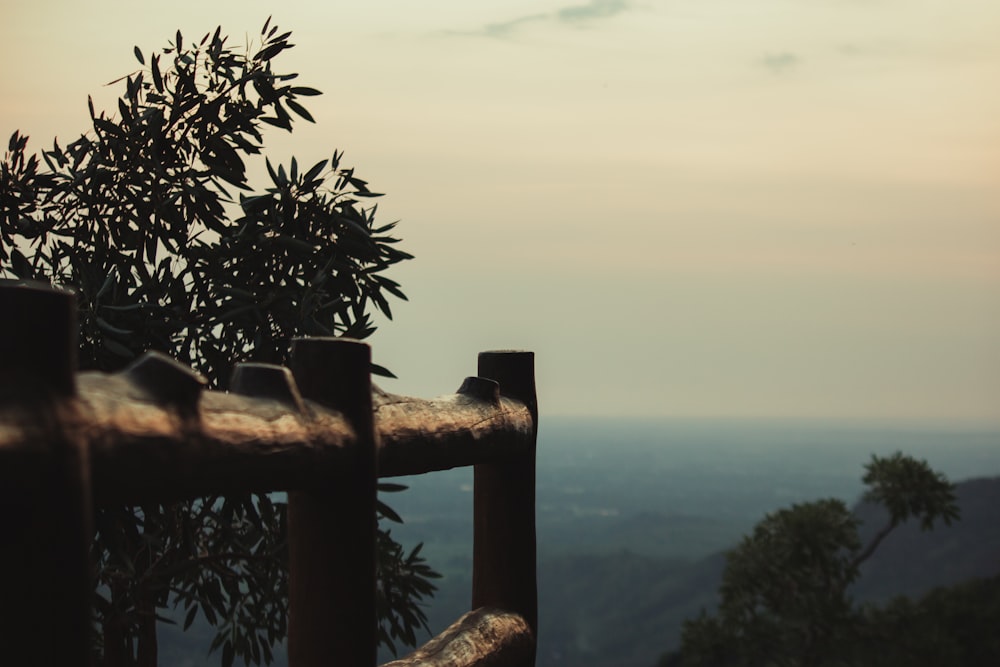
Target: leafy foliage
(224,558)
(139,216)
(784,598)
(136,216)
(402,581)
(910,489)
(947,626)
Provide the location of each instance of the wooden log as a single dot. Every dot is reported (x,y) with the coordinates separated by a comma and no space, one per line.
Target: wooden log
(145,450)
(45,518)
(482,638)
(503,567)
(418,436)
(331,524)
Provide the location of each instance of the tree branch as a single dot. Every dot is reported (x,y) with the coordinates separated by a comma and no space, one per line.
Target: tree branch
(873,545)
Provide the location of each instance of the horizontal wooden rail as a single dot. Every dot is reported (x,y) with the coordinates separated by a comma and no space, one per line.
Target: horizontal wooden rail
(147,448)
(463,429)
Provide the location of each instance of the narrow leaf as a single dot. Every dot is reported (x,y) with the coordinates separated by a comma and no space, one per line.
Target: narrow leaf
(382,371)
(157,77)
(314,171)
(391,487)
(300,110)
(108,327)
(189,618)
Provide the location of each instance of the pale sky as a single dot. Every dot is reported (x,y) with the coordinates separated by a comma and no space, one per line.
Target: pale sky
(684,207)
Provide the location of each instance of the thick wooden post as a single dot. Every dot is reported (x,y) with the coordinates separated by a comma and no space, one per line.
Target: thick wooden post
(503,569)
(331,528)
(45,516)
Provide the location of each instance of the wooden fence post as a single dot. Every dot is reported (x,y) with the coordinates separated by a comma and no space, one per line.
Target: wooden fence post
(45,515)
(503,566)
(331,529)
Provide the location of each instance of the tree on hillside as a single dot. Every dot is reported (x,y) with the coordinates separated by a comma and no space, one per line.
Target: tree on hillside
(138,216)
(784,597)
(955,625)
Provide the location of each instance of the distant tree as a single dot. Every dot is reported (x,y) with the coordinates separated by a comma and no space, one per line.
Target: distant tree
(784,597)
(138,216)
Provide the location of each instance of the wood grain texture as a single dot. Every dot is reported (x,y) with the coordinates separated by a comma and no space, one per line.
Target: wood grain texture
(418,436)
(143,450)
(485,637)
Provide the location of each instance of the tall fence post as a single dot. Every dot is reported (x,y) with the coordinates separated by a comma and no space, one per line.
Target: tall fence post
(45,516)
(503,566)
(331,528)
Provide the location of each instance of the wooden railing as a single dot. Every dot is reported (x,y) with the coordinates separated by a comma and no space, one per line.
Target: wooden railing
(318,430)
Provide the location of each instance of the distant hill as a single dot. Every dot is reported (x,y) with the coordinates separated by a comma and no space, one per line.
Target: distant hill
(615,607)
(625,610)
(620,609)
(910,561)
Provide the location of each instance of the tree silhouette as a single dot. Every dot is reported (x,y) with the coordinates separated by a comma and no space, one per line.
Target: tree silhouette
(784,597)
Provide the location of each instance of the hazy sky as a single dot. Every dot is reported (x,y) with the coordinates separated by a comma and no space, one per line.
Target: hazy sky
(684,207)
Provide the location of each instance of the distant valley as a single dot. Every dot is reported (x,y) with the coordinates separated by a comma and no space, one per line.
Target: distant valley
(633,518)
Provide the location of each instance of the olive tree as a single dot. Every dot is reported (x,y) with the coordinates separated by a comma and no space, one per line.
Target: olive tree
(151,218)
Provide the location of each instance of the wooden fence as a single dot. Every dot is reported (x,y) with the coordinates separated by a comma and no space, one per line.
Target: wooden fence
(318,430)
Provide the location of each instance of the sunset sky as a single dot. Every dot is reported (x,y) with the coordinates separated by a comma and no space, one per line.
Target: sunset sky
(684,207)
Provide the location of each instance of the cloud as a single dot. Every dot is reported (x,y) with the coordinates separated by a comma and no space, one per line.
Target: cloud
(505,28)
(569,15)
(779,62)
(595,9)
